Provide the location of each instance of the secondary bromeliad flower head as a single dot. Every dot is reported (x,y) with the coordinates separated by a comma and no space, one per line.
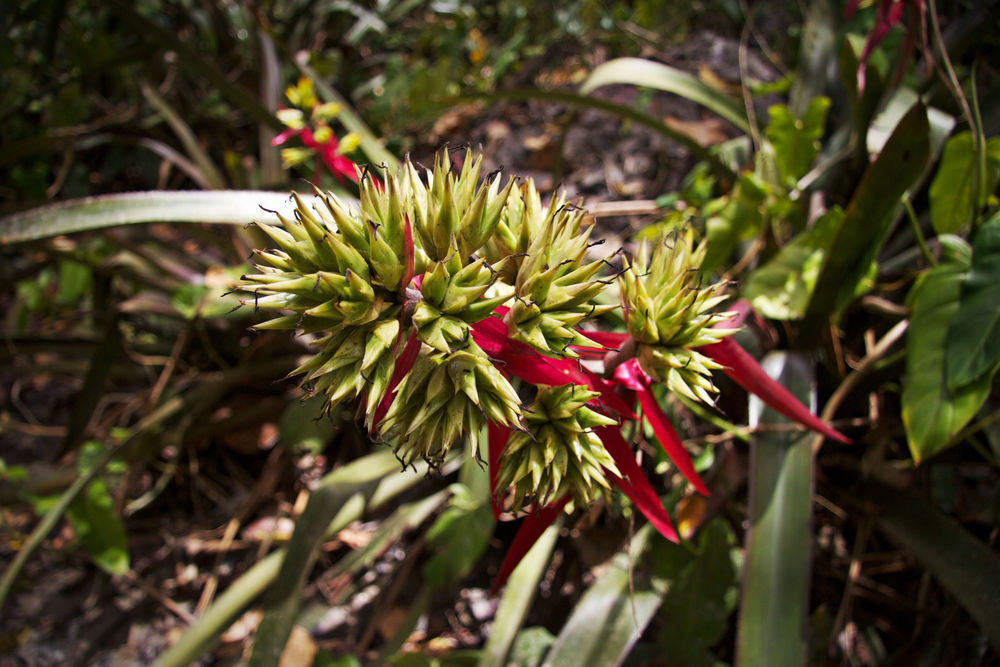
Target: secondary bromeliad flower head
(669,315)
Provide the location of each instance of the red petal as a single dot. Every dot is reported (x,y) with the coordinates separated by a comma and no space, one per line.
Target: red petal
(632,376)
(497,441)
(747,373)
(529,532)
(635,485)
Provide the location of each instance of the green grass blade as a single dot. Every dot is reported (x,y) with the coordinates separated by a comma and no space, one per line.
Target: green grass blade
(517,596)
(776,571)
(611,615)
(235,207)
(641,72)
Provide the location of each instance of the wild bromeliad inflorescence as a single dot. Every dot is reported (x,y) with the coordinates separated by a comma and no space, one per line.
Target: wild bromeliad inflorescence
(449,308)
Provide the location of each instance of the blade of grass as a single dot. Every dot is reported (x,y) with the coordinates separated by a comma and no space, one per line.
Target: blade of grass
(234,207)
(516,600)
(776,572)
(209,171)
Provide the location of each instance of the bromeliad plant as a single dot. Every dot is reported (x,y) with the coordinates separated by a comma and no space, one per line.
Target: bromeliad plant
(448,308)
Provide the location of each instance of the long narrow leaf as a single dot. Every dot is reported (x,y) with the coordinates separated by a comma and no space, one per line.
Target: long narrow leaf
(528,534)
(650,74)
(234,207)
(517,598)
(776,572)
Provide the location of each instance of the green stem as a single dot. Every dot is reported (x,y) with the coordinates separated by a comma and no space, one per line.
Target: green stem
(915,223)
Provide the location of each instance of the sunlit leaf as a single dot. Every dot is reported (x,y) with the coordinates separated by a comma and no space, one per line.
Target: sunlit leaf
(933,413)
(796,140)
(99,528)
(781,288)
(641,72)
(952,202)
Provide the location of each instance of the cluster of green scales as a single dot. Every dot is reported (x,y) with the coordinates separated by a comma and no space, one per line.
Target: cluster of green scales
(419,260)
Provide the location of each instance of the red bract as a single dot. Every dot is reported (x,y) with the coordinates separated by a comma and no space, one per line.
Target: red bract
(887,15)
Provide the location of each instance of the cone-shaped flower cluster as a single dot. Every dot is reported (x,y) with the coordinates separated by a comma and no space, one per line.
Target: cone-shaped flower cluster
(668,314)
(558,454)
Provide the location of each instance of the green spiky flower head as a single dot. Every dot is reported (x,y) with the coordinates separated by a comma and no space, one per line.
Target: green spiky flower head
(558,453)
(668,313)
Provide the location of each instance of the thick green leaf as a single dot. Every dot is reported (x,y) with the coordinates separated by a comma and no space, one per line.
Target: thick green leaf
(640,72)
(867,218)
(531,646)
(796,140)
(611,615)
(952,202)
(702,595)
(235,207)
(964,565)
(781,288)
(459,537)
(933,413)
(776,571)
(974,335)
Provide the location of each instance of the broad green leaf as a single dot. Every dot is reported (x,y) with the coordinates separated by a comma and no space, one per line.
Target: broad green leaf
(702,596)
(933,413)
(775,606)
(781,288)
(966,567)
(952,202)
(974,335)
(796,140)
(458,537)
(235,207)
(650,74)
(99,528)
(857,241)
(611,615)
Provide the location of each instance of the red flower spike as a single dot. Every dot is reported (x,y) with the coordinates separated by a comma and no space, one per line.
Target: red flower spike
(634,484)
(403,366)
(529,532)
(746,372)
(632,376)
(496,442)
